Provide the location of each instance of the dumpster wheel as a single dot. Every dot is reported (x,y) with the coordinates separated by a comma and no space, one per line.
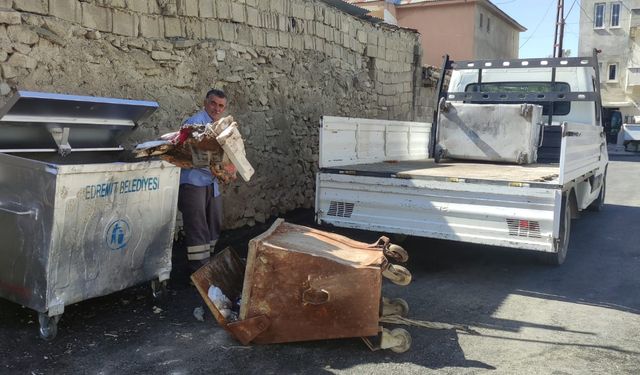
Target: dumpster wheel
(48,326)
(395,306)
(397,340)
(159,289)
(396,253)
(397,274)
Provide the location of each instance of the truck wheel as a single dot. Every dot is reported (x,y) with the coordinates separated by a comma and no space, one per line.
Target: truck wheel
(439,154)
(598,204)
(562,244)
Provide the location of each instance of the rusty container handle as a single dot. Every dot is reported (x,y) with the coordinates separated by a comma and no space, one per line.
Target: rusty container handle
(315,296)
(382,242)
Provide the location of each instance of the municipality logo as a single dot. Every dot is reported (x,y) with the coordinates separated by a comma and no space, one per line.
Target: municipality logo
(118,234)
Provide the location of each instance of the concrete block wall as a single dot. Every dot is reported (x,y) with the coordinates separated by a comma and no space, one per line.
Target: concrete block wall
(283,63)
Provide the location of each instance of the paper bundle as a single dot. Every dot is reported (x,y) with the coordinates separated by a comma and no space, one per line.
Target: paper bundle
(218,146)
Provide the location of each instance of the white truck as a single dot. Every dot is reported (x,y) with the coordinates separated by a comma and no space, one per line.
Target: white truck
(516,150)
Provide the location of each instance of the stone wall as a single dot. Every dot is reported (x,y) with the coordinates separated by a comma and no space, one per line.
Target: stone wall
(283,64)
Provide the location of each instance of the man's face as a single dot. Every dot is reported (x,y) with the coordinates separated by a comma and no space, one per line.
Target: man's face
(215,106)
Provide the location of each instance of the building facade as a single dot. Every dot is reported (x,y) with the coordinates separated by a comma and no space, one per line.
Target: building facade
(613,27)
(463,29)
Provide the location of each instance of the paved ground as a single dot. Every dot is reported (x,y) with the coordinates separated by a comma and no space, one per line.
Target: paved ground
(583,317)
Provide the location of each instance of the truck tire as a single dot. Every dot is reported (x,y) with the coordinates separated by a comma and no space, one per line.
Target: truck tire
(598,204)
(439,154)
(562,244)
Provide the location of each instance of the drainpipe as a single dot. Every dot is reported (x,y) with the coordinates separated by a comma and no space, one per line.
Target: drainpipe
(626,68)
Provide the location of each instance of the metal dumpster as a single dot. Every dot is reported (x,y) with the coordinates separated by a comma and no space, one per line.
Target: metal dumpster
(77,218)
(630,134)
(508,133)
(304,284)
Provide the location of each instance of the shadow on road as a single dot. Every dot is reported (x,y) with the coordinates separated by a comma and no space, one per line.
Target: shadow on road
(468,285)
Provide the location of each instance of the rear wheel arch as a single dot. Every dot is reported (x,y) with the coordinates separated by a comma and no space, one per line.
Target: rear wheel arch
(598,203)
(573,203)
(561,244)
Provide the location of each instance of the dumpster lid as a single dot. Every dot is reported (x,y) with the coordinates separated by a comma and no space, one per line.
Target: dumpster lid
(48,122)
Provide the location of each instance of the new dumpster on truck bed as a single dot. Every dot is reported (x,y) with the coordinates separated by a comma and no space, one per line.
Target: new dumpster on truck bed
(77,218)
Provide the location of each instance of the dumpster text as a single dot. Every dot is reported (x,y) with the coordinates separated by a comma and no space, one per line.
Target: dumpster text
(121,187)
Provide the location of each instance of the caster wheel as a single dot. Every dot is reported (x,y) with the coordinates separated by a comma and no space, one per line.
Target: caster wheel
(159,289)
(395,306)
(397,274)
(397,253)
(398,340)
(404,337)
(48,326)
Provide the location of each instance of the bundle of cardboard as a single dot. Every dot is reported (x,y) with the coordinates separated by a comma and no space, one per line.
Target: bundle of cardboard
(216,146)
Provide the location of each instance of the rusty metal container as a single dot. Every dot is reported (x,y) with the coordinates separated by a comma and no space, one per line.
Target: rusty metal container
(299,284)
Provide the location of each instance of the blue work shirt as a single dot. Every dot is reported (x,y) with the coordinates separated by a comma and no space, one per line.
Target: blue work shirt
(199,176)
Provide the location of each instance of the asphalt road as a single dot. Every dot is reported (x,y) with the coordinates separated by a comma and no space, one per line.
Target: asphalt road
(582,317)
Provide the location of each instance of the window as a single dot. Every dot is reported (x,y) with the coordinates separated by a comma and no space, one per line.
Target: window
(598,18)
(613,72)
(559,108)
(488,24)
(481,20)
(615,14)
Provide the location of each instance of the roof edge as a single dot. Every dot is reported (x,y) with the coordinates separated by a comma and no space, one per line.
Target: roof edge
(363,14)
(504,15)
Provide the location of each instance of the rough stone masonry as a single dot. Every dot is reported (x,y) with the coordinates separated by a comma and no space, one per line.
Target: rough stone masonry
(283,63)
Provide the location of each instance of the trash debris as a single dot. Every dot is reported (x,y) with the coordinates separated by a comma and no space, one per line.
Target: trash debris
(397,319)
(218,146)
(198,313)
(156,310)
(222,303)
(235,347)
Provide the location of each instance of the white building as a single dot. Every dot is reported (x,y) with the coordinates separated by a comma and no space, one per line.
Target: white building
(614,28)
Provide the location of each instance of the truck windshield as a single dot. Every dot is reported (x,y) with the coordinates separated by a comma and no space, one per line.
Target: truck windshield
(559,108)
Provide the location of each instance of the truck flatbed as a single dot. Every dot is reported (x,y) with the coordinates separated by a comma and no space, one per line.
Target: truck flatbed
(519,147)
(428,168)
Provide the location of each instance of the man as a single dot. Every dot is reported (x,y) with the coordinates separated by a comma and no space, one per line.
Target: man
(199,197)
